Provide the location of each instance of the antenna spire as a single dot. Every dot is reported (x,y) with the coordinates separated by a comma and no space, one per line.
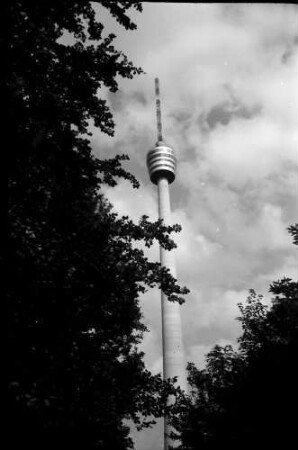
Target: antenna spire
(158,111)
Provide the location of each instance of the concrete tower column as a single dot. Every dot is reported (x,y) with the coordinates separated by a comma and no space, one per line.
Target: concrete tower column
(173,354)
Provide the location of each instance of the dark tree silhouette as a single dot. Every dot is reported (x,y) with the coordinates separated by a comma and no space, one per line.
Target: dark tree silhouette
(247,398)
(73,275)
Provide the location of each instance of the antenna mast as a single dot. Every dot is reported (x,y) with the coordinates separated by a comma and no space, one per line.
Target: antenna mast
(158,111)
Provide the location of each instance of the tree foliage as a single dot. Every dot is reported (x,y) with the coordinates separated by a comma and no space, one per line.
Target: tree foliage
(74,276)
(246,398)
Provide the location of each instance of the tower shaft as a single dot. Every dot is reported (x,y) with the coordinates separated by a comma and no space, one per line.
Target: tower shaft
(172,345)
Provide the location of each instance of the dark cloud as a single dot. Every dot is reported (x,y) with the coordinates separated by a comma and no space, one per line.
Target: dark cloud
(225,112)
(139,97)
(290,51)
(119,100)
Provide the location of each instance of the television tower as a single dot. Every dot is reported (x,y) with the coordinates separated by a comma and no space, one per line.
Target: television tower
(161,163)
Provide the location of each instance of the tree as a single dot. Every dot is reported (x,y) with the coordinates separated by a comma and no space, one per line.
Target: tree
(246,398)
(73,275)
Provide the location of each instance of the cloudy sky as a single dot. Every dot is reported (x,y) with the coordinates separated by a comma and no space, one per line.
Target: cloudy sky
(228,75)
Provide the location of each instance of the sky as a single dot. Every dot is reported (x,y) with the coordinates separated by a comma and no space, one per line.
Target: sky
(228,79)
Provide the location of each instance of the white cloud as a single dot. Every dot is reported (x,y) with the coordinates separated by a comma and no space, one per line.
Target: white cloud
(249,150)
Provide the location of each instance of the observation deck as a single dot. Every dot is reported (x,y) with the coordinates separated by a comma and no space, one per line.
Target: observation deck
(161,163)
